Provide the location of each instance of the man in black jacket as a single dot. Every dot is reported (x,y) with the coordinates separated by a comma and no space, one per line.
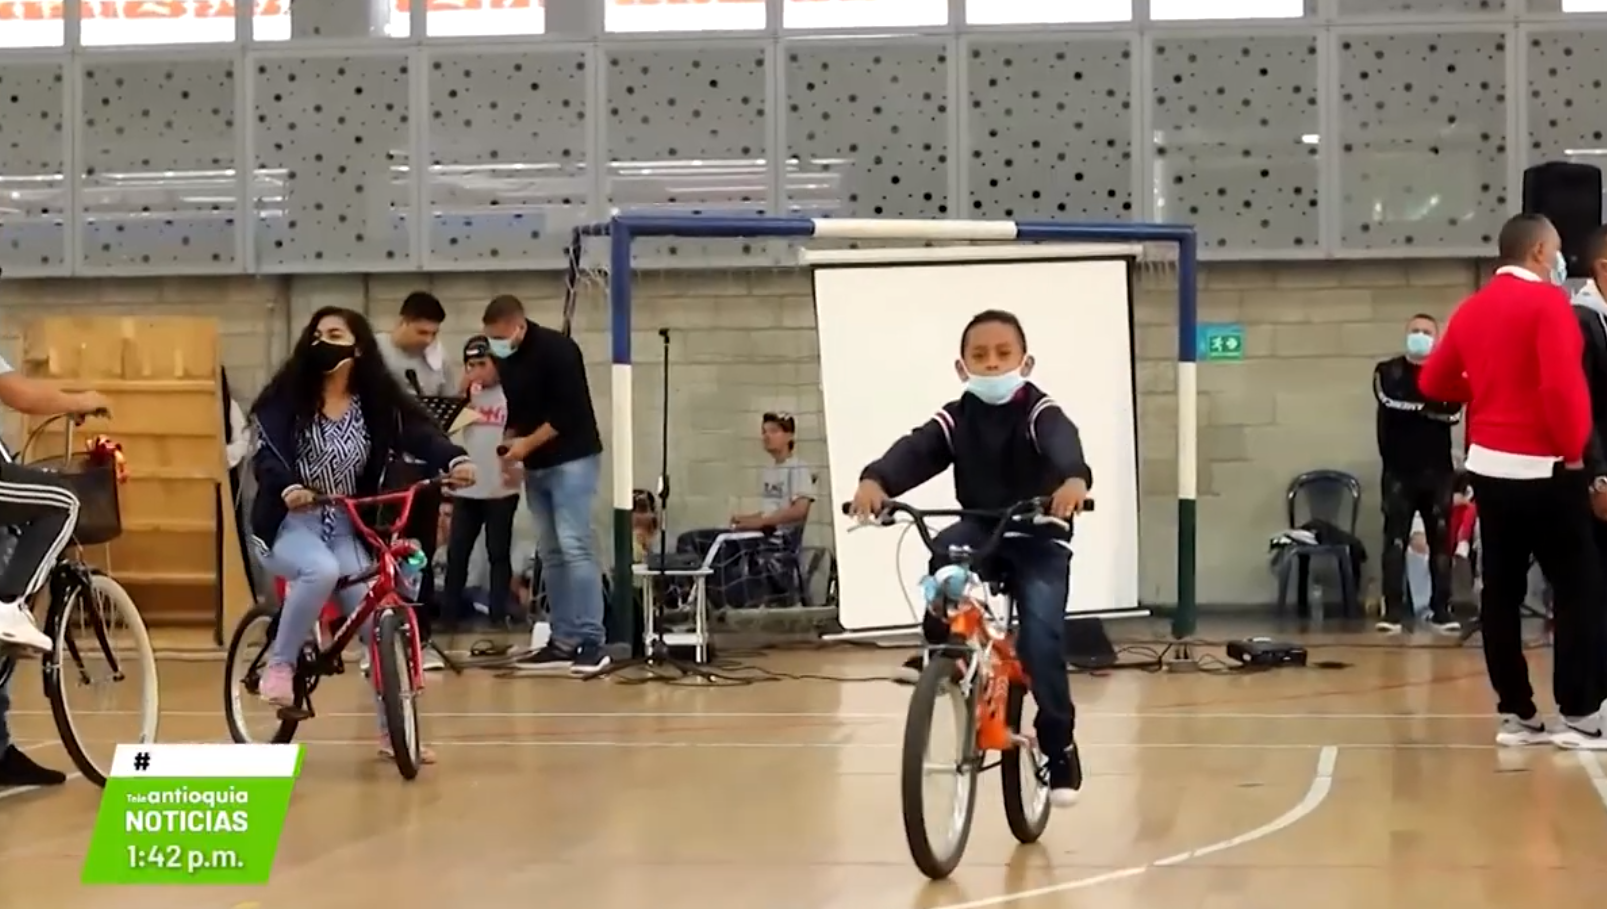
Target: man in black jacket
(1414,444)
(552,433)
(1590,306)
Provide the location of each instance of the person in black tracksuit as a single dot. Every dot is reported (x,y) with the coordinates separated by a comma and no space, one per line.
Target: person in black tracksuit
(1414,444)
(1590,306)
(1007,441)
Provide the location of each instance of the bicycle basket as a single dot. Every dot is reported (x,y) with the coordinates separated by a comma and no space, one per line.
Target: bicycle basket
(100,520)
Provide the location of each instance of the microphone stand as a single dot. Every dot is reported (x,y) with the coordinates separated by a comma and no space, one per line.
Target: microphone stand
(656,658)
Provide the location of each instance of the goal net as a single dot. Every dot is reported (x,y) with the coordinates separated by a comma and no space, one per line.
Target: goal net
(846,342)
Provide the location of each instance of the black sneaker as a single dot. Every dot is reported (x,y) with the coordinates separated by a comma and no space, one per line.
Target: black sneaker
(17,769)
(589,659)
(551,658)
(1065,778)
(1443,622)
(910,671)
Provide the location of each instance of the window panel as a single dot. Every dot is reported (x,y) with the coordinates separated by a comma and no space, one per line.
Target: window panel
(107,23)
(1171,10)
(32,23)
(1036,12)
(808,14)
(474,18)
(282,20)
(684,15)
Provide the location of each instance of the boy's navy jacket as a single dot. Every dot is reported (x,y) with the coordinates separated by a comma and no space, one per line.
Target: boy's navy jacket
(1001,453)
(274,463)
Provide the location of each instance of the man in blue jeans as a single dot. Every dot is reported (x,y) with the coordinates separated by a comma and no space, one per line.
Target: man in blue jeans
(552,433)
(16,768)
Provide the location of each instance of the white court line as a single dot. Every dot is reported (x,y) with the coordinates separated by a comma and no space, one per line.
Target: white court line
(1598,777)
(1180,713)
(851,746)
(1322,782)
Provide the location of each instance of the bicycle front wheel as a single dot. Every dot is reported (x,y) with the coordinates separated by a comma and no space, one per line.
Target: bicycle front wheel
(101,678)
(1025,773)
(938,777)
(394,670)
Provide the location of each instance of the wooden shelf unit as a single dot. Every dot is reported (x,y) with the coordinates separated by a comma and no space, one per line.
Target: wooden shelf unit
(161,374)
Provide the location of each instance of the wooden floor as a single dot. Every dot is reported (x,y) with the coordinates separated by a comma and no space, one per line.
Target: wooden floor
(1373,786)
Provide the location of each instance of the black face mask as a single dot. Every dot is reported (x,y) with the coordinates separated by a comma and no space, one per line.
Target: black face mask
(327,356)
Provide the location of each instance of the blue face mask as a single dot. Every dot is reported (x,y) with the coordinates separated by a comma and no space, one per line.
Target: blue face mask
(995,389)
(1559,270)
(501,347)
(1419,344)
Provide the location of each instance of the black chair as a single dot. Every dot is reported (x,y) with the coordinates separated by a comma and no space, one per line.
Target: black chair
(1332,497)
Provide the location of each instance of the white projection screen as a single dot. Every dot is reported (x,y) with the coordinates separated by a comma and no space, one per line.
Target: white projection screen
(889,324)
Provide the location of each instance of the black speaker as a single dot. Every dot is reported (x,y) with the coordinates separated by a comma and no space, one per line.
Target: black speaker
(1569,195)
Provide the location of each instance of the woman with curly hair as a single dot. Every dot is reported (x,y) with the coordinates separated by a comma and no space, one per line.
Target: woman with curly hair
(328,424)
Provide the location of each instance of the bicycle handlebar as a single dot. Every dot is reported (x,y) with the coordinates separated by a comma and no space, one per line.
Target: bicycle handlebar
(1025,511)
(383,498)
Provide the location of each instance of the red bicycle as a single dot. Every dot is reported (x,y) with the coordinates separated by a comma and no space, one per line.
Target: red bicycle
(395,650)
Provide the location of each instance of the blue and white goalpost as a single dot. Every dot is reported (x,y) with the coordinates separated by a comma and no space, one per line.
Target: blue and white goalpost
(889,319)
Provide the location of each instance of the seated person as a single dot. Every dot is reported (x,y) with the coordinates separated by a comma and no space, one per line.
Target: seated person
(644,525)
(787,492)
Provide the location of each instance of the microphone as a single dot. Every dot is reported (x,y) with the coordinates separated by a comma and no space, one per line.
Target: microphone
(412,379)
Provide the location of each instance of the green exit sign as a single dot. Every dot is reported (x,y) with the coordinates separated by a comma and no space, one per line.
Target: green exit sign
(1220,341)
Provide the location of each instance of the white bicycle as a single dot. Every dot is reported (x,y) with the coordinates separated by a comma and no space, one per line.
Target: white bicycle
(101,642)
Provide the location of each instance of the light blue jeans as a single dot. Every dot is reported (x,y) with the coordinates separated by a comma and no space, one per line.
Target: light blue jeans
(1419,582)
(560,500)
(311,560)
(8,668)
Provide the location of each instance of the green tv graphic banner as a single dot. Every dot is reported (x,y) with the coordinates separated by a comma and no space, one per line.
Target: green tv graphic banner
(192,814)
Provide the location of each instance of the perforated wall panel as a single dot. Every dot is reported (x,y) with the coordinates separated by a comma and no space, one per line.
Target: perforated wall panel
(1235,121)
(32,165)
(158,185)
(1356,8)
(1567,110)
(1050,127)
(686,134)
(867,130)
(331,139)
(1423,140)
(507,175)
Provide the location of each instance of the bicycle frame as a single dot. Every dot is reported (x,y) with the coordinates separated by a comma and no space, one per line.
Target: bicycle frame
(993,659)
(382,594)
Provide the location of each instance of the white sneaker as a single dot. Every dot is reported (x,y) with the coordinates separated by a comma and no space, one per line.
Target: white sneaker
(1386,627)
(1580,734)
(17,629)
(1516,733)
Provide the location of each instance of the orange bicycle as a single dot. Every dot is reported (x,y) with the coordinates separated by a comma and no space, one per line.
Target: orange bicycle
(982,680)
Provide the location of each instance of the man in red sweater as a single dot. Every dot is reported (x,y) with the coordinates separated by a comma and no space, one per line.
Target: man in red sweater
(1512,352)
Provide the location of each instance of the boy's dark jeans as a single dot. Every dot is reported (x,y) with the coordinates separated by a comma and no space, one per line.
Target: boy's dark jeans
(469,518)
(1037,571)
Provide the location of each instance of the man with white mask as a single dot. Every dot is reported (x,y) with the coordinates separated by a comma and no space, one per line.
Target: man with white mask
(1590,306)
(1414,444)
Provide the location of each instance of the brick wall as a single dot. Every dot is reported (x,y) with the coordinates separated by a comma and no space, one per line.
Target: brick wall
(744,342)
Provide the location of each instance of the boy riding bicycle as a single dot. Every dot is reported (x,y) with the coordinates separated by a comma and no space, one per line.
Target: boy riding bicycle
(1007,441)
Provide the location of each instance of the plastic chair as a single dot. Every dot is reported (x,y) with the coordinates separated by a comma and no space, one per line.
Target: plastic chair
(1334,497)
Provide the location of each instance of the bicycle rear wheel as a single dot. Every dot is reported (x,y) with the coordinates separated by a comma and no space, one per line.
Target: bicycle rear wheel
(242,673)
(101,643)
(939,693)
(1025,774)
(394,664)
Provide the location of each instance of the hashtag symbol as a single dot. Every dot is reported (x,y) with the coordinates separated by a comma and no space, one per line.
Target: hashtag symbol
(142,761)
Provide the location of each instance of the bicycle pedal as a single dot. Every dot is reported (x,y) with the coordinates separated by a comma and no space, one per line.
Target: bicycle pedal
(295,714)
